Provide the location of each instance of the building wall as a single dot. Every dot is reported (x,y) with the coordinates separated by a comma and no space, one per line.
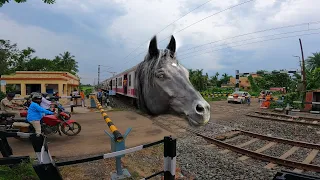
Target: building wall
(62,82)
(243,82)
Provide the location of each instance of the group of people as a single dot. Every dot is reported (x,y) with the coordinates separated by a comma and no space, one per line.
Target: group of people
(265,99)
(37,104)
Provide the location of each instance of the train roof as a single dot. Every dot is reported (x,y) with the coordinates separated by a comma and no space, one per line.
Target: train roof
(126,71)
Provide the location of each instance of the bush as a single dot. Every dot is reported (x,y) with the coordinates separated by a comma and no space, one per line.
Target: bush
(87,92)
(2,95)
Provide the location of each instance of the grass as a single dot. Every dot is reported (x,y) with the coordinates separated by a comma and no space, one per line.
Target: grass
(216,98)
(22,171)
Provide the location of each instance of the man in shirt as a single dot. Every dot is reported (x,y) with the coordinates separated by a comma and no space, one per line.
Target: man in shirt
(7,105)
(99,96)
(44,102)
(82,98)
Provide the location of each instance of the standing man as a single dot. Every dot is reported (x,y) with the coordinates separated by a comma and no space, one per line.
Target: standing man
(75,93)
(82,98)
(99,96)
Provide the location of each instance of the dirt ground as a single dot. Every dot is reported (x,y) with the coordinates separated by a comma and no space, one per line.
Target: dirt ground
(92,138)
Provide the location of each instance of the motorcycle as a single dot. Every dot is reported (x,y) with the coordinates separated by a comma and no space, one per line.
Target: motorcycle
(51,124)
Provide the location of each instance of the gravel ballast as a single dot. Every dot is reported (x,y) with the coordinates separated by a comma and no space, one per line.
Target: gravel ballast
(196,156)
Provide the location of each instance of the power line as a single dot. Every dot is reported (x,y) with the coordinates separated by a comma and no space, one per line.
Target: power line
(249,39)
(231,7)
(264,30)
(250,43)
(167,27)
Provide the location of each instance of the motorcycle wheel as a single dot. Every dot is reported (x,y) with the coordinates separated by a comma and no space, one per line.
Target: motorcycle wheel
(76,128)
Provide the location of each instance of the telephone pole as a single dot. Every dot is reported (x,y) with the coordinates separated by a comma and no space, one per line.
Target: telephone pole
(303,75)
(98,75)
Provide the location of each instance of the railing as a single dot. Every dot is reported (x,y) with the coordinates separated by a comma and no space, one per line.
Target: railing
(46,168)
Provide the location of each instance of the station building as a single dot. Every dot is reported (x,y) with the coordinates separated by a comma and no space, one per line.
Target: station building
(26,82)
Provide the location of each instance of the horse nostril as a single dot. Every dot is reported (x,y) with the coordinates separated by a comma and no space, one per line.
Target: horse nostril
(199,108)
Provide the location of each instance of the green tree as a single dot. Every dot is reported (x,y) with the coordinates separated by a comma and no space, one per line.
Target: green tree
(2,2)
(225,78)
(313,62)
(66,62)
(12,59)
(7,56)
(313,79)
(253,84)
(198,80)
(39,64)
(22,58)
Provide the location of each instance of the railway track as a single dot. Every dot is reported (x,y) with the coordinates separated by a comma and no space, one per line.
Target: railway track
(222,141)
(286,118)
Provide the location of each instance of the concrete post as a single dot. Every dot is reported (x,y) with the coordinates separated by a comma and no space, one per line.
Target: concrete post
(60,89)
(43,88)
(23,89)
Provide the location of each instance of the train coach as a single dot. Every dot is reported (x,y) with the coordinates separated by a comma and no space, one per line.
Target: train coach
(123,83)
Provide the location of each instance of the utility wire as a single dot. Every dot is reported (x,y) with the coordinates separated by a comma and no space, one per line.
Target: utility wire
(264,30)
(250,43)
(168,26)
(248,40)
(231,7)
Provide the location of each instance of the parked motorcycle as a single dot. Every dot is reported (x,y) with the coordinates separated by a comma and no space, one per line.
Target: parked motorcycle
(51,124)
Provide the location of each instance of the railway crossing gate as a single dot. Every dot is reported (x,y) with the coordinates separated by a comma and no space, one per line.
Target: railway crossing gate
(238,74)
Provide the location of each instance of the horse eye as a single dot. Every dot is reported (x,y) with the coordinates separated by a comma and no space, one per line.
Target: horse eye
(160,75)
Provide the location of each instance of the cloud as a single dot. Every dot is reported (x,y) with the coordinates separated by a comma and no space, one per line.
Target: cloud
(49,44)
(115,28)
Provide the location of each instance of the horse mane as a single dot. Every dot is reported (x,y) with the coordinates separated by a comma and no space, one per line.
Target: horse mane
(145,74)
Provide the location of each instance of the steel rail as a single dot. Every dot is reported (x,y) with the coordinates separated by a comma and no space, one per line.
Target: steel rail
(282,140)
(283,120)
(284,162)
(260,156)
(288,116)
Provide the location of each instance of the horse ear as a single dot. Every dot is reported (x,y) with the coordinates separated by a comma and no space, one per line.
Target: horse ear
(172,45)
(153,48)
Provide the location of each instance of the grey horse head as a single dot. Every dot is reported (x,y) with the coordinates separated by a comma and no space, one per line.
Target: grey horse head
(163,86)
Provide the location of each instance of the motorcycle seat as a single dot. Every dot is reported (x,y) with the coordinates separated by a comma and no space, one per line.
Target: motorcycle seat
(6,114)
(19,119)
(21,124)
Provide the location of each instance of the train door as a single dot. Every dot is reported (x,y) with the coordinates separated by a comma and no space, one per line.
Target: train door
(116,85)
(125,83)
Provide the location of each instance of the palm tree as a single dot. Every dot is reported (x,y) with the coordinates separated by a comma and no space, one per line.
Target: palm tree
(66,62)
(313,62)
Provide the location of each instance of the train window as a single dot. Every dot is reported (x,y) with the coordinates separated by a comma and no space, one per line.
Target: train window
(120,81)
(129,79)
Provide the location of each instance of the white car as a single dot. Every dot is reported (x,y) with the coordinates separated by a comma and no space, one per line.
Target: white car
(238,97)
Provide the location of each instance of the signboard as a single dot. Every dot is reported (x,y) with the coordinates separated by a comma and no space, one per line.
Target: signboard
(112,92)
(3,83)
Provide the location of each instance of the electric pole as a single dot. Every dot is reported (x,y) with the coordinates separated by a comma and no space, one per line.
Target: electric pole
(98,75)
(303,74)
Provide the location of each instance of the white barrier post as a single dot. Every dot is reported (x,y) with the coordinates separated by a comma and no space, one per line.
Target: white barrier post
(169,158)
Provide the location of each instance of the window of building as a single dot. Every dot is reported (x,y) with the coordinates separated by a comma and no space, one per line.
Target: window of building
(129,79)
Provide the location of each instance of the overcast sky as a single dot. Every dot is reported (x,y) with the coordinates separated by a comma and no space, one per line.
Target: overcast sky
(116,33)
